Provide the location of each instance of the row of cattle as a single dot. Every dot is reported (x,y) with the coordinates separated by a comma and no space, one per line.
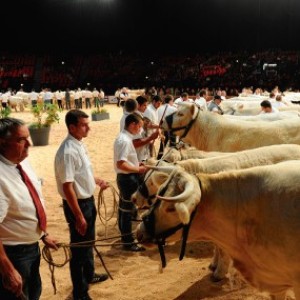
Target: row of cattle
(244,196)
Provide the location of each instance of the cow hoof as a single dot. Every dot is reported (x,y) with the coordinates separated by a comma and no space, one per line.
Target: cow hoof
(215,278)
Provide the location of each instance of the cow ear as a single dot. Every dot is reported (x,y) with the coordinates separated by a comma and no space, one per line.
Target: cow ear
(194,111)
(183,212)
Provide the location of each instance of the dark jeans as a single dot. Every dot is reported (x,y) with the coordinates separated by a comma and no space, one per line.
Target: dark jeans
(82,261)
(127,184)
(68,104)
(87,103)
(26,260)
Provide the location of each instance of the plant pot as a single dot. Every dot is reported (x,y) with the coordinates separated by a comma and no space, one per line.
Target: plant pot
(100,117)
(40,136)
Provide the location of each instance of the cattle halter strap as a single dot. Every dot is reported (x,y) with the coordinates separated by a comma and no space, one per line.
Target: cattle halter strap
(160,239)
(169,120)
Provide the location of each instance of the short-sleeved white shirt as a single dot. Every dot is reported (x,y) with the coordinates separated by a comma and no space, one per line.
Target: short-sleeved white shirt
(201,102)
(161,110)
(72,164)
(151,114)
(124,151)
(122,120)
(18,218)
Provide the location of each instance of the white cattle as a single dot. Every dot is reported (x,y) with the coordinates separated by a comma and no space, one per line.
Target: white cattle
(226,161)
(252,214)
(15,102)
(212,132)
(231,161)
(266,117)
(19,100)
(250,108)
(186,152)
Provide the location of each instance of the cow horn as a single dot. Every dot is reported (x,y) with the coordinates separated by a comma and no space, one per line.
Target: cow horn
(166,169)
(188,190)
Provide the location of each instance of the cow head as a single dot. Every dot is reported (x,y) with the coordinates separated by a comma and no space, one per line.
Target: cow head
(154,178)
(177,199)
(182,120)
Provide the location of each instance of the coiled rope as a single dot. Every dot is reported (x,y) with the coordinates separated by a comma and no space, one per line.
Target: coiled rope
(104,217)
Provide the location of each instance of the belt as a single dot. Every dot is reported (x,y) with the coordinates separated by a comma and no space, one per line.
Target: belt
(83,200)
(10,249)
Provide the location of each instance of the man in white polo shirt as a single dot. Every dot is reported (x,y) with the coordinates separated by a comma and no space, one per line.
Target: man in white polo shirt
(76,185)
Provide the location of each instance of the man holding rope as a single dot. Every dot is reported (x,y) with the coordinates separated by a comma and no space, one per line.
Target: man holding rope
(76,185)
(22,217)
(128,171)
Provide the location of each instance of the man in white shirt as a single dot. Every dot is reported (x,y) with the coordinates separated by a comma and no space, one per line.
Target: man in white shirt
(130,106)
(266,107)
(76,185)
(152,116)
(33,97)
(128,169)
(21,226)
(163,111)
(200,100)
(48,97)
(101,97)
(183,98)
(141,141)
(96,97)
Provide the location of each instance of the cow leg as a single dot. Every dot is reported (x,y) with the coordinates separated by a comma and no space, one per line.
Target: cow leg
(297,292)
(213,265)
(222,266)
(280,296)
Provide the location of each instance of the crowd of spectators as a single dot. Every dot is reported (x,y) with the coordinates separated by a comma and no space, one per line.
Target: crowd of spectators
(229,70)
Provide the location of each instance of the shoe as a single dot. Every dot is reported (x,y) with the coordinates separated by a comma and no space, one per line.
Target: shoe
(98,278)
(133,248)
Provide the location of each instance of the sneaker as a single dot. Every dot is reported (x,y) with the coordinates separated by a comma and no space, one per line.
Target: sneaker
(98,278)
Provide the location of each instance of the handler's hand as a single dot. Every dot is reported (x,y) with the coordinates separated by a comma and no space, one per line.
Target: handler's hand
(102,183)
(81,225)
(50,242)
(12,281)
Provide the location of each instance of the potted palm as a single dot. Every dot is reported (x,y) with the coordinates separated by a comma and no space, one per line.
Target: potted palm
(100,114)
(45,116)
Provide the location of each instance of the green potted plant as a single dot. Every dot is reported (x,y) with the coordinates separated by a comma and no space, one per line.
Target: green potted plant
(45,116)
(5,112)
(100,114)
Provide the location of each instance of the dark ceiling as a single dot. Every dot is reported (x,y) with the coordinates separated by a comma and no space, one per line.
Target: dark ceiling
(149,25)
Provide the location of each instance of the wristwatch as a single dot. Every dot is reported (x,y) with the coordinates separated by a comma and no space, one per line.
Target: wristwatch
(44,236)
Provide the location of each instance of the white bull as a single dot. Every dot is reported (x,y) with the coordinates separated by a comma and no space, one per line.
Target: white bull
(226,161)
(232,161)
(252,214)
(212,132)
(282,115)
(250,108)
(15,102)
(186,152)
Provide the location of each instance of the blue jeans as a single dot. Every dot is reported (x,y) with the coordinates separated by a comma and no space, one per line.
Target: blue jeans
(82,261)
(127,184)
(26,260)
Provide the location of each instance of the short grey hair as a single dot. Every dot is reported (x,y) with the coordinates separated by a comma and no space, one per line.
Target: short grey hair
(8,126)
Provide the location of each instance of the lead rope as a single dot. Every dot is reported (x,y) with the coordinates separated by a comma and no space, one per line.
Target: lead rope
(104,219)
